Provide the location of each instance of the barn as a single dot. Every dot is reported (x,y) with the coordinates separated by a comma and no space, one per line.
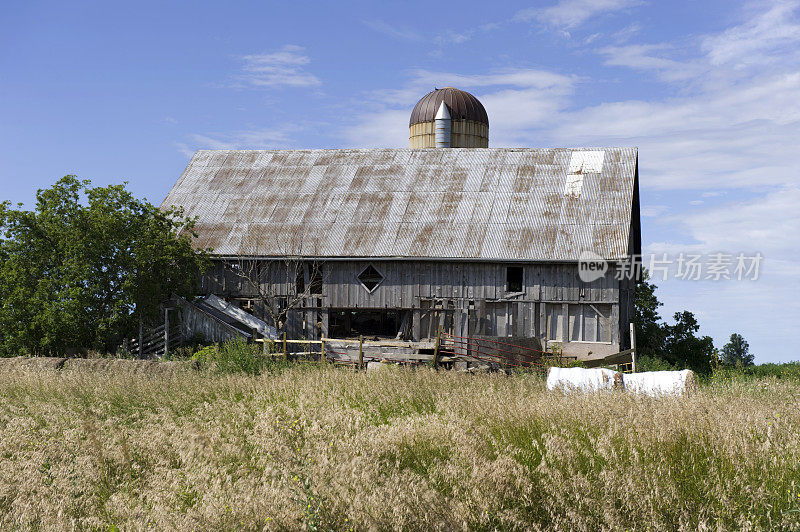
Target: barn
(448,234)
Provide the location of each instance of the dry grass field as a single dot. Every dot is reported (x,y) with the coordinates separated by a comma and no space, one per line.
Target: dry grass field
(325,448)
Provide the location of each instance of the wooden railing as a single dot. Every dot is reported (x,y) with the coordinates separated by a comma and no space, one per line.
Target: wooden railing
(154,343)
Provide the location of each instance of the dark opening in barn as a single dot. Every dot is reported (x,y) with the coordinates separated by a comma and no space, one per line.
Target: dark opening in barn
(514,279)
(346,323)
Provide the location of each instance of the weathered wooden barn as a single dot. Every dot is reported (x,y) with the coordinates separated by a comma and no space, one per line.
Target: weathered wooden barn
(398,242)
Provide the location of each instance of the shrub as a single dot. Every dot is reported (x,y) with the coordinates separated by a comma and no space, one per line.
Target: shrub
(647,363)
(233,356)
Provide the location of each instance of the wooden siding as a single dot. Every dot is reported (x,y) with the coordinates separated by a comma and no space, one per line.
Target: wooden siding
(468,298)
(405,283)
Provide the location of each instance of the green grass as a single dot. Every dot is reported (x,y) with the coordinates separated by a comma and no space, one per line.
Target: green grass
(326,448)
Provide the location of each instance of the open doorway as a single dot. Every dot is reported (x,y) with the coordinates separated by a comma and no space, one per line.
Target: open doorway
(371,323)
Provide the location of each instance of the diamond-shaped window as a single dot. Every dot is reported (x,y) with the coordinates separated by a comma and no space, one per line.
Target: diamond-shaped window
(370,278)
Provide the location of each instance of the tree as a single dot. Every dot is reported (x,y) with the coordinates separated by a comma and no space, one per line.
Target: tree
(737,352)
(86,264)
(649,332)
(279,285)
(682,349)
(663,346)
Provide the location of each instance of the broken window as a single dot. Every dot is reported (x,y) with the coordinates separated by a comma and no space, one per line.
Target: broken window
(514,279)
(370,278)
(300,280)
(315,285)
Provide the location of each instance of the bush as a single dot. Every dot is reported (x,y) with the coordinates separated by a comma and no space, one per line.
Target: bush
(647,363)
(786,371)
(233,356)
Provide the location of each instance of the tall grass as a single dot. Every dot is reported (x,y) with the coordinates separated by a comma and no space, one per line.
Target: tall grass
(327,448)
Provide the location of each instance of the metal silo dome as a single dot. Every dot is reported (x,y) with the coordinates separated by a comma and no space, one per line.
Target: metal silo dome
(468,120)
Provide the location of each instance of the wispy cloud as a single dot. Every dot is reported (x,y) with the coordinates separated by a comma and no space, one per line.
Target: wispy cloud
(569,14)
(515,100)
(393,31)
(768,37)
(651,57)
(253,139)
(764,36)
(733,122)
(284,67)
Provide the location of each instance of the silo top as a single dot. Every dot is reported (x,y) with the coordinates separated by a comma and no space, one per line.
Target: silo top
(463,106)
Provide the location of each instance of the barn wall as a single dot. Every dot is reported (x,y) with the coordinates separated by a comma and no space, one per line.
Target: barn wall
(472,296)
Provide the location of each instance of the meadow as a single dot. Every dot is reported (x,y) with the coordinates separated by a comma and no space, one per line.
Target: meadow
(321,448)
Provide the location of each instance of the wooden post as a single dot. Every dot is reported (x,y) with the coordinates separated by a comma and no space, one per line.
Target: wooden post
(285,353)
(361,352)
(166,332)
(633,348)
(141,337)
(436,349)
(322,349)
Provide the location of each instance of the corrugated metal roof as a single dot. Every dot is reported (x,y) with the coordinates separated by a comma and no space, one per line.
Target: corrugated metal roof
(460,203)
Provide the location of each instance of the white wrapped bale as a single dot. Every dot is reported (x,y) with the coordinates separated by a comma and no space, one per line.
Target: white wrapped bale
(583,380)
(661,383)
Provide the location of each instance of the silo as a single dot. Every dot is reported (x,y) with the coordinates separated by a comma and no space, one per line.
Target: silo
(469,123)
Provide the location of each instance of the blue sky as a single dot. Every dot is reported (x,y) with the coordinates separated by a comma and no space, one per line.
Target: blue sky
(709,92)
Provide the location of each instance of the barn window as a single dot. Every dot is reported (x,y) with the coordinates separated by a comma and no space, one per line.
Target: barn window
(590,323)
(315,286)
(514,279)
(370,278)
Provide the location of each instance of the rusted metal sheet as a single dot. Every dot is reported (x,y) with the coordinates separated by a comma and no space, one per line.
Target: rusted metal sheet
(461,203)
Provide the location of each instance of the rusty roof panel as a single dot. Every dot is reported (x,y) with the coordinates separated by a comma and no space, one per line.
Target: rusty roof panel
(464,203)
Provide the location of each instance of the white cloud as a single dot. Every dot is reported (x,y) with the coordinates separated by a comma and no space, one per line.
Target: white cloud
(764,310)
(516,100)
(644,57)
(568,14)
(245,139)
(764,224)
(653,211)
(762,38)
(281,68)
(379,130)
(393,31)
(765,41)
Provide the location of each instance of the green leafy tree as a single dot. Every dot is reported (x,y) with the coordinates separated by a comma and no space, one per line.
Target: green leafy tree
(683,349)
(737,352)
(86,264)
(646,320)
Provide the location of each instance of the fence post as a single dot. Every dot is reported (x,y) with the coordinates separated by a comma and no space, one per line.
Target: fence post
(166,332)
(322,350)
(285,353)
(633,348)
(141,337)
(361,352)
(436,349)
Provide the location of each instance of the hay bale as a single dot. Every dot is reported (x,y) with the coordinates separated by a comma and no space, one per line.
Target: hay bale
(584,380)
(661,383)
